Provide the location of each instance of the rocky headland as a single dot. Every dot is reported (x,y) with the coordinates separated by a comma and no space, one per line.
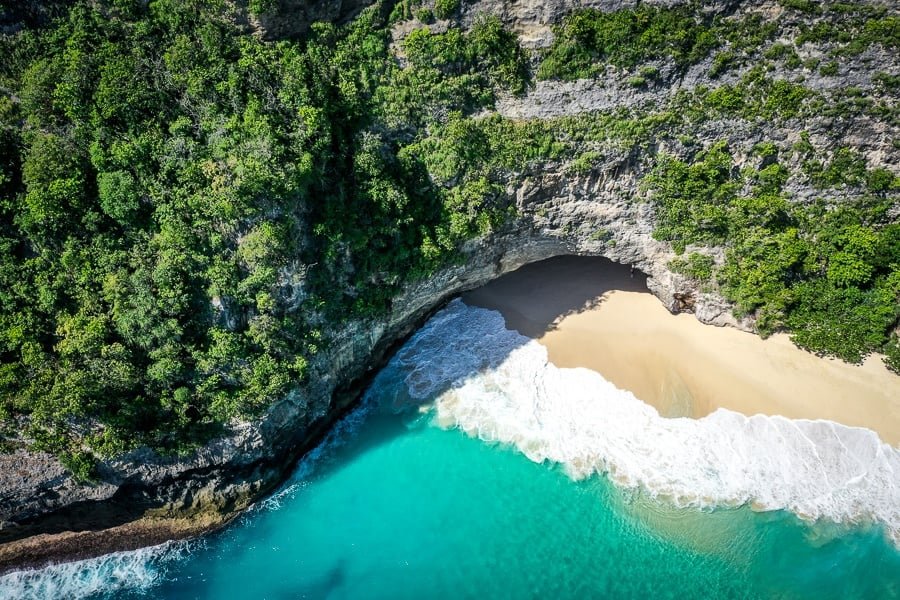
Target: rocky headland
(562,206)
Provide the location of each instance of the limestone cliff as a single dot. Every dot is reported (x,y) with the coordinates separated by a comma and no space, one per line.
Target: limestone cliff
(599,210)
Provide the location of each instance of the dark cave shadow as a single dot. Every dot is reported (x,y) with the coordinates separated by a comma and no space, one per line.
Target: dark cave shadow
(533,299)
(577,283)
(559,287)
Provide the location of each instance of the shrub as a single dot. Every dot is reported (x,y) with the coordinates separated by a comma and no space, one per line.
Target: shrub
(722,62)
(891,352)
(82,465)
(829,69)
(695,265)
(425,15)
(444,9)
(625,38)
(636,81)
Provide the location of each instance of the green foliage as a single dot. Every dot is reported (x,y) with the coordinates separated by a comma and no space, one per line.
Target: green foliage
(695,265)
(881,181)
(851,28)
(757,97)
(118,195)
(453,71)
(588,39)
(259,7)
(888,82)
(692,199)
(637,81)
(81,464)
(444,9)
(846,167)
(778,51)
(830,275)
(891,352)
(181,203)
(829,68)
(425,15)
(807,6)
(584,162)
(722,62)
(846,321)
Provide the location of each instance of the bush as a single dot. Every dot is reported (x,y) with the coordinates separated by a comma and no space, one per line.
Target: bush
(425,15)
(692,199)
(722,62)
(82,465)
(758,97)
(844,322)
(625,38)
(828,274)
(695,265)
(636,81)
(891,352)
(829,69)
(444,9)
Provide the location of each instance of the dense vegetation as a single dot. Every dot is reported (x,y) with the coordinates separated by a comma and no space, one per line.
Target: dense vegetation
(830,274)
(182,204)
(588,40)
(185,208)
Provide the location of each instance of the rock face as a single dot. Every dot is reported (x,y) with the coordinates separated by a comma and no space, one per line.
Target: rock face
(561,215)
(598,213)
(292,18)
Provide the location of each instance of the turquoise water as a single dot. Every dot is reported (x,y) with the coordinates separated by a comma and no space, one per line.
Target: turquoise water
(398,504)
(424,512)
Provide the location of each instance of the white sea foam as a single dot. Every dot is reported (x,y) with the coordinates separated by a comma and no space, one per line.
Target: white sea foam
(137,570)
(499,386)
(142,569)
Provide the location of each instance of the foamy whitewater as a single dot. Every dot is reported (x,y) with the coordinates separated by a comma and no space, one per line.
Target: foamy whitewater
(499,386)
(465,370)
(120,571)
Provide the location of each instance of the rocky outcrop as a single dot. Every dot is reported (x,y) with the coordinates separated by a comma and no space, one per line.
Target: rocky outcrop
(561,215)
(143,497)
(292,18)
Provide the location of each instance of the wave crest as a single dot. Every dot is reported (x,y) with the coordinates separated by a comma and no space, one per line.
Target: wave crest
(136,570)
(510,393)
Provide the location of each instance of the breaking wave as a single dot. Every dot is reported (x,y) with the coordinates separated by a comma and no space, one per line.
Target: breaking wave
(466,370)
(499,386)
(135,571)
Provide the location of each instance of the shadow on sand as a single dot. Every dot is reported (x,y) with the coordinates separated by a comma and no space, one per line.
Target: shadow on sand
(532,300)
(555,288)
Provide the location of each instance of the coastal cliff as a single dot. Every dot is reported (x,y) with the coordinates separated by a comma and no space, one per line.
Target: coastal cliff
(594,197)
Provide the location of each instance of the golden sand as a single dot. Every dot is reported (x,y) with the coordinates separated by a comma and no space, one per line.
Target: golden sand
(591,313)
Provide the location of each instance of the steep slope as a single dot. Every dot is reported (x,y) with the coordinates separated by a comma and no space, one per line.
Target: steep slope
(237,243)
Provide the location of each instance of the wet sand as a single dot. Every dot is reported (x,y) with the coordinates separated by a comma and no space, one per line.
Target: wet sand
(592,313)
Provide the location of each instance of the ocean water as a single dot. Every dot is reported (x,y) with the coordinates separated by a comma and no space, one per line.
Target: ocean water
(475,469)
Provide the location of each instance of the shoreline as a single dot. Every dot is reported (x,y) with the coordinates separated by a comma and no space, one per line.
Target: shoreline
(593,314)
(556,312)
(154,527)
(48,549)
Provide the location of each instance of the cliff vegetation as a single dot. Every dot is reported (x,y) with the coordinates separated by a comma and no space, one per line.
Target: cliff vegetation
(188,208)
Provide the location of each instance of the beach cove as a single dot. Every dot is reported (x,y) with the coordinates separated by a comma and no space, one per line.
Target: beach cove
(475,466)
(596,314)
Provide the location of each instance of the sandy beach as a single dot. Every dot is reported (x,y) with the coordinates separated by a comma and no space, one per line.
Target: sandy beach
(593,313)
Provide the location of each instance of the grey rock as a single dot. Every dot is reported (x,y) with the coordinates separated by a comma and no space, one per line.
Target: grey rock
(601,213)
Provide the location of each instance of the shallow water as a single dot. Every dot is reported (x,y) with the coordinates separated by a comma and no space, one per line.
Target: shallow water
(400,502)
